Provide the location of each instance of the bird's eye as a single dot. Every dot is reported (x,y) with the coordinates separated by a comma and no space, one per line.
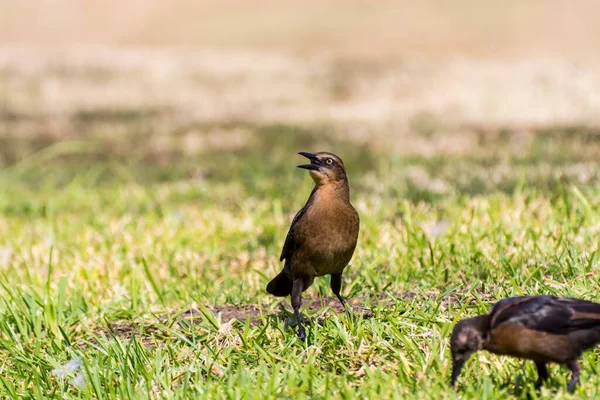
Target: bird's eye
(329,161)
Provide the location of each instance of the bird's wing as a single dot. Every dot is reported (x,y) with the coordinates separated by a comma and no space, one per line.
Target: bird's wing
(586,314)
(546,313)
(290,240)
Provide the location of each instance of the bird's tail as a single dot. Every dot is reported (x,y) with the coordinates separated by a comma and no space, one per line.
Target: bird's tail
(280,286)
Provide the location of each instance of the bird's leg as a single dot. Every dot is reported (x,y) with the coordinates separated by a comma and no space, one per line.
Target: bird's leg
(336,286)
(542,373)
(573,365)
(297,288)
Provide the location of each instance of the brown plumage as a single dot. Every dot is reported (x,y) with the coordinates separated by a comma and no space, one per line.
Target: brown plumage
(539,328)
(323,234)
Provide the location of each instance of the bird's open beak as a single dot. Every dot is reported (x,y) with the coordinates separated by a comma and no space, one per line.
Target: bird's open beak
(456,367)
(314,165)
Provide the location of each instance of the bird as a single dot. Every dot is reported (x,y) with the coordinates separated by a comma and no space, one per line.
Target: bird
(539,328)
(322,236)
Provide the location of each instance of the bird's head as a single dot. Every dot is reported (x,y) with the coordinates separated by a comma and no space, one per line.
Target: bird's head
(324,167)
(468,337)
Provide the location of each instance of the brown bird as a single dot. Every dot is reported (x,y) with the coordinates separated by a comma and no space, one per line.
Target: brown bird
(539,328)
(323,234)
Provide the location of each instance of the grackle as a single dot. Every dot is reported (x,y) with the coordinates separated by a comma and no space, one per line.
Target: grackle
(539,328)
(323,234)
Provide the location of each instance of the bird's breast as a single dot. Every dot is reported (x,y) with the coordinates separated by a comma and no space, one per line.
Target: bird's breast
(330,234)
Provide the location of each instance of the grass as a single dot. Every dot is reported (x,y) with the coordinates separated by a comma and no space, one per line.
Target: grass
(134,242)
(80,256)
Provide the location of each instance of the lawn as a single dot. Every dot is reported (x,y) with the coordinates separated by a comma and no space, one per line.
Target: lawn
(137,236)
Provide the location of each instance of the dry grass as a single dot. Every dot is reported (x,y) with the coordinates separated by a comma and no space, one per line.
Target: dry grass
(102,93)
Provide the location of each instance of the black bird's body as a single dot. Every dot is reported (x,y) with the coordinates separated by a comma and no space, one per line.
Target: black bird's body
(323,234)
(539,328)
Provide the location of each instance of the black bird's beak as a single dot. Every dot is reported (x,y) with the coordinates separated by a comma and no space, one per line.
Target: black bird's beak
(456,367)
(314,165)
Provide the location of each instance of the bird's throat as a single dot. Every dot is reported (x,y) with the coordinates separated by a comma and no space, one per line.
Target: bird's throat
(333,190)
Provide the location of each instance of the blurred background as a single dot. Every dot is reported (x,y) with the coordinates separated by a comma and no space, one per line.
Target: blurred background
(446,96)
(147,167)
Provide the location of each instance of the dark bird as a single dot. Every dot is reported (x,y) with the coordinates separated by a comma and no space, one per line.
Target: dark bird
(539,328)
(323,234)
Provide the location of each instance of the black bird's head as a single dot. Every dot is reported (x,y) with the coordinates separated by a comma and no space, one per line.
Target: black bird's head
(324,167)
(468,337)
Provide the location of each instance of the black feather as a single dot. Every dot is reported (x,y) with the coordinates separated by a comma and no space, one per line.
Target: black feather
(280,286)
(290,244)
(547,313)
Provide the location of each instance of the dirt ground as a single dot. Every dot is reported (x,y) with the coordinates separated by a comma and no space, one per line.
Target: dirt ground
(149,332)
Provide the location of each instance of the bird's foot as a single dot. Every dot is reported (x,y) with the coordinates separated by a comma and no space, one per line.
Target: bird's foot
(575,369)
(538,384)
(301,334)
(350,313)
(347,307)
